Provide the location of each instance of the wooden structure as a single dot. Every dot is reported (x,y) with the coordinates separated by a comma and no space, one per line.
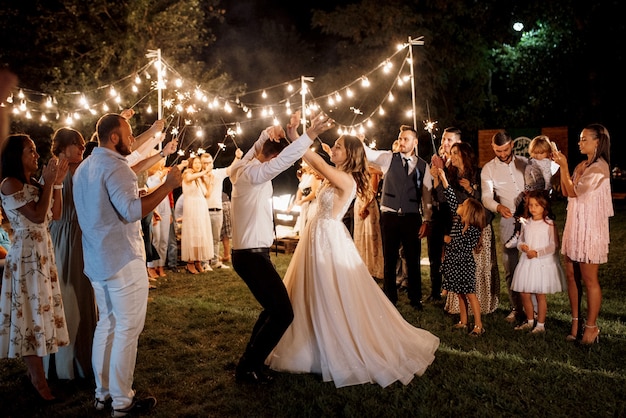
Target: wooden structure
(557,134)
(285,245)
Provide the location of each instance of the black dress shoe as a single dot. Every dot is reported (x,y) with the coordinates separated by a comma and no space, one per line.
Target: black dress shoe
(433,299)
(417,305)
(255,377)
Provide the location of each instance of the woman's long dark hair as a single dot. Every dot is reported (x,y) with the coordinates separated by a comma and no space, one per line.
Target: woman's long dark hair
(466,153)
(12,157)
(604,142)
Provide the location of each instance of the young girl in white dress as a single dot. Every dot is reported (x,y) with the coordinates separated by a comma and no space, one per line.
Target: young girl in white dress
(344,327)
(539,270)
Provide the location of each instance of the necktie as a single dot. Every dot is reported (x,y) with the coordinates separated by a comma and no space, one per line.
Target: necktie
(406,165)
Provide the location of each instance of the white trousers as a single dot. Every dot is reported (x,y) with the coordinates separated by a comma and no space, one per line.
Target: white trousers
(161,233)
(217,219)
(122,302)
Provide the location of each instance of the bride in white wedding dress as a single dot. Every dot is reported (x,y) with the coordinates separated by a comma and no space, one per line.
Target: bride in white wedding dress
(344,326)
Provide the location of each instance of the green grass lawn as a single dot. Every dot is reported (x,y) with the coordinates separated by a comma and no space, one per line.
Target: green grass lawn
(198,326)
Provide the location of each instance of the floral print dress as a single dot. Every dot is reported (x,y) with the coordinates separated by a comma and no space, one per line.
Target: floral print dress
(32,320)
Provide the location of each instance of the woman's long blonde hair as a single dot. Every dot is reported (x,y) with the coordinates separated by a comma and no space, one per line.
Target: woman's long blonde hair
(356,164)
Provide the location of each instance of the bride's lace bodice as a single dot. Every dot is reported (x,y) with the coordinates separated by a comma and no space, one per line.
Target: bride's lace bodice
(326,202)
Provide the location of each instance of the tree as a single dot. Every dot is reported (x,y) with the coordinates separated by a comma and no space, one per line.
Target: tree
(78,45)
(475,72)
(451,69)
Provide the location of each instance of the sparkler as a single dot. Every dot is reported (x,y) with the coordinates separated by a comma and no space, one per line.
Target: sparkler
(431,127)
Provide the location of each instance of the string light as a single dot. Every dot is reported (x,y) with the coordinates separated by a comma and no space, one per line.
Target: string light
(178,101)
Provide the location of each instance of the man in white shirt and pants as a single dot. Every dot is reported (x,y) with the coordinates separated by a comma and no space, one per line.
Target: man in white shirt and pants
(109,211)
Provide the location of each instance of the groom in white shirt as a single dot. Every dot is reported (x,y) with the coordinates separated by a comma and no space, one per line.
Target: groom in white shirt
(253,236)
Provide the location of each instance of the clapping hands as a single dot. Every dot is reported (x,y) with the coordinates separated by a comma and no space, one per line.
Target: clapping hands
(55,171)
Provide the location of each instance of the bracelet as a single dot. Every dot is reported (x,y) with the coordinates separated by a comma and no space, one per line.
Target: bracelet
(57,186)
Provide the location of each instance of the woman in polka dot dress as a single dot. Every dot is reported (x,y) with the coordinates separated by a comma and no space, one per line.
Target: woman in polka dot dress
(459,267)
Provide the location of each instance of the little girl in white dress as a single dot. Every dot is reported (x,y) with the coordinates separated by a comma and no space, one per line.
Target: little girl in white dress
(539,269)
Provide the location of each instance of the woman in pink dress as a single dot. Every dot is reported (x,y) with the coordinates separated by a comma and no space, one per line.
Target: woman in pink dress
(586,233)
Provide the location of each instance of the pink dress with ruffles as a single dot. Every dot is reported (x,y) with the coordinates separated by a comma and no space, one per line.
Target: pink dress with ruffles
(586,234)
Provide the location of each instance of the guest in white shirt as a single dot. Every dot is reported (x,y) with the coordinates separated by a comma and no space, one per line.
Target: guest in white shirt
(502,182)
(109,211)
(215,178)
(253,236)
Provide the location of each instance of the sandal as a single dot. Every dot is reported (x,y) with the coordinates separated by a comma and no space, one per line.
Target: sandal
(594,339)
(152,273)
(579,332)
(460,325)
(477,331)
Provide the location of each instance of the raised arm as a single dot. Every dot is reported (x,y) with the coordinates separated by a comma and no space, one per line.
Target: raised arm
(238,155)
(149,139)
(148,162)
(449,194)
(290,154)
(35,211)
(567,185)
(57,190)
(340,179)
(152,200)
(292,126)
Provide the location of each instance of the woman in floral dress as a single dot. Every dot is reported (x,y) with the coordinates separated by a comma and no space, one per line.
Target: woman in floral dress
(32,319)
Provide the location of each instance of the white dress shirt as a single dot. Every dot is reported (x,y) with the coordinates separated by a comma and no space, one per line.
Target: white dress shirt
(251,198)
(108,207)
(214,200)
(502,181)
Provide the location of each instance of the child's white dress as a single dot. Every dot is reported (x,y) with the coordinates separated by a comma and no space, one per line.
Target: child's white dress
(542,274)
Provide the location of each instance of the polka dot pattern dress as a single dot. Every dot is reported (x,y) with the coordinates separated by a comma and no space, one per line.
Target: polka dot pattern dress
(459,266)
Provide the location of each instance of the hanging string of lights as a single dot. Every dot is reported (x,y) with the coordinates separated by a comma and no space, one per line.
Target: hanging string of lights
(181,101)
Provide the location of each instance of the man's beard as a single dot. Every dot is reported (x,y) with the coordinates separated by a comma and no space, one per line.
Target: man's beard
(507,159)
(122,149)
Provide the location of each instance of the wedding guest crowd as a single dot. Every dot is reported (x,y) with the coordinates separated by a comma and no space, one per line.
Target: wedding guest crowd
(69,316)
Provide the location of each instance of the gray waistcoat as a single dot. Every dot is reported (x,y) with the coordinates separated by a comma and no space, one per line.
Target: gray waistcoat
(403,192)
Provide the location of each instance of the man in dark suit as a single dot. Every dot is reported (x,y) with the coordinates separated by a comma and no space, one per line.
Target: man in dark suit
(405,201)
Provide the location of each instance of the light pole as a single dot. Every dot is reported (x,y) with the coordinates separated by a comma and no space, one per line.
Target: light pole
(156,53)
(418,41)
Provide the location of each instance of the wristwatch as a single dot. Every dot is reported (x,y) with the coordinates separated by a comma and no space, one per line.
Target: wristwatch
(162,154)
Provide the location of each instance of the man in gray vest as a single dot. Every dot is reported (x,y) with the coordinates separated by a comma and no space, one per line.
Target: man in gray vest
(406,197)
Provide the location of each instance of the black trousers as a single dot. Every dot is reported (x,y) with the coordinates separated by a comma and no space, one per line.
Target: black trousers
(256,269)
(435,250)
(402,230)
